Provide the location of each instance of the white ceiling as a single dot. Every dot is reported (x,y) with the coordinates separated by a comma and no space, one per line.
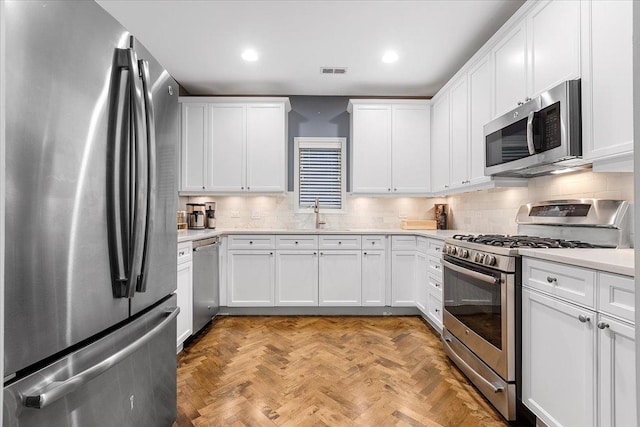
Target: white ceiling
(200,42)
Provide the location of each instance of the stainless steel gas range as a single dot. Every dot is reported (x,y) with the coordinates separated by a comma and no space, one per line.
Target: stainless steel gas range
(482,285)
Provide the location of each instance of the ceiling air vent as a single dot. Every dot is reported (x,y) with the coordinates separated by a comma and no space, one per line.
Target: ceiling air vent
(333,70)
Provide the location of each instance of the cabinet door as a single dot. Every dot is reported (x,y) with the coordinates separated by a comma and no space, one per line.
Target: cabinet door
(554,44)
(410,148)
(440,145)
(251,278)
(227,148)
(374,277)
(607,79)
(558,361)
(194,135)
(459,133)
(510,76)
(266,148)
(403,278)
(297,278)
(617,385)
(480,105)
(371,148)
(184,292)
(340,275)
(422,282)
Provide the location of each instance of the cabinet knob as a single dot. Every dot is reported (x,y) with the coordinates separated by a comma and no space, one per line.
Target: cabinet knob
(527,99)
(446,186)
(553,280)
(339,243)
(270,253)
(395,189)
(583,318)
(437,310)
(364,253)
(296,243)
(242,188)
(315,253)
(520,102)
(373,243)
(251,242)
(388,189)
(437,285)
(602,325)
(437,249)
(248,188)
(321,253)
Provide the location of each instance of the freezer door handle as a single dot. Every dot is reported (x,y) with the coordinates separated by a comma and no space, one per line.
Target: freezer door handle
(58,389)
(150,170)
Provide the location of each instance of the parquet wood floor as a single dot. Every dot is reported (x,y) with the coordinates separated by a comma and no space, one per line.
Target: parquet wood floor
(324,371)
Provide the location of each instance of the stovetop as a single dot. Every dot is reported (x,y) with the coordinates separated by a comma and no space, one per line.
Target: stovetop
(522,241)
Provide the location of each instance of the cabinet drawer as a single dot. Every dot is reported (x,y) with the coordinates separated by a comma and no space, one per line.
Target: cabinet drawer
(252,242)
(403,243)
(435,266)
(340,242)
(435,284)
(297,242)
(184,252)
(435,247)
(373,242)
(575,284)
(434,305)
(422,244)
(616,295)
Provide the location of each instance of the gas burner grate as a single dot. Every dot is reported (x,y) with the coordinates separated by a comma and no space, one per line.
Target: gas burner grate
(521,241)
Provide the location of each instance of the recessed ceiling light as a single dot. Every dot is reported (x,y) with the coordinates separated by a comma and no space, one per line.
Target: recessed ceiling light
(389,57)
(250,55)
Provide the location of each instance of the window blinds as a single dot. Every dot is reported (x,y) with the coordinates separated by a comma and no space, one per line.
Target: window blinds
(321,177)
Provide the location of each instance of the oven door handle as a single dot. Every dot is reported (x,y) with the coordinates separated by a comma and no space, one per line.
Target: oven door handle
(476,275)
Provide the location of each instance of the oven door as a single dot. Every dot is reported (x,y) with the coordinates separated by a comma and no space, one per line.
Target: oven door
(479,310)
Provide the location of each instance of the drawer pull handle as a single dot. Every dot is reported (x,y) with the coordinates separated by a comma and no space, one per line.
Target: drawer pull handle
(602,325)
(552,280)
(583,318)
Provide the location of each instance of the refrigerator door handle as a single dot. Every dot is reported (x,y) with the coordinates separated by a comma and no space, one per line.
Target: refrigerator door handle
(124,216)
(151,173)
(58,389)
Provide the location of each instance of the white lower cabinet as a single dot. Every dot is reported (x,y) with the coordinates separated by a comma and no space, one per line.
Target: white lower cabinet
(297,278)
(184,293)
(403,278)
(374,277)
(558,362)
(617,385)
(578,351)
(340,278)
(422,282)
(251,278)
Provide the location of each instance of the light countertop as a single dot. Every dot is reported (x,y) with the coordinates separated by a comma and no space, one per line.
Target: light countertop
(618,261)
(187,235)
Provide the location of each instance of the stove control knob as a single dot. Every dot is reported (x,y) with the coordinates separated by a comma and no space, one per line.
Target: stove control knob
(463,253)
(490,260)
(454,250)
(445,249)
(479,258)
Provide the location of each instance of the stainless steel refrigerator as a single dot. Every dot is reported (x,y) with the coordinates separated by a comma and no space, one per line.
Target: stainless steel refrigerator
(92,134)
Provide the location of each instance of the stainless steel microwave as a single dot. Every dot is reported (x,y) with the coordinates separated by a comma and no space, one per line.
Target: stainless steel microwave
(540,136)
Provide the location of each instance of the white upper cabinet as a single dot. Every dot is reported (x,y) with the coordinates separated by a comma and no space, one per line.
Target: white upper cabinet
(459,174)
(193,149)
(232,145)
(480,107)
(371,148)
(540,52)
(266,147)
(227,142)
(554,44)
(390,146)
(607,85)
(410,148)
(440,144)
(510,65)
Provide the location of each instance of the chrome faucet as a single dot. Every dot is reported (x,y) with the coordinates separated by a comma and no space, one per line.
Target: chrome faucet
(316,210)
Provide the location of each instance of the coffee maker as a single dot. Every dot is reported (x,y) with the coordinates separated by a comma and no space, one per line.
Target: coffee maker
(195,216)
(210,214)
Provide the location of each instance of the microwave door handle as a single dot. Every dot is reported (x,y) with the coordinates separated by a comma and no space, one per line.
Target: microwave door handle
(530,145)
(471,273)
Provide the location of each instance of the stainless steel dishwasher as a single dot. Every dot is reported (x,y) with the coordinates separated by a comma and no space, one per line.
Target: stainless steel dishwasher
(206,281)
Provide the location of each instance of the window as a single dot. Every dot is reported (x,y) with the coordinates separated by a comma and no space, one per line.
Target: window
(320,172)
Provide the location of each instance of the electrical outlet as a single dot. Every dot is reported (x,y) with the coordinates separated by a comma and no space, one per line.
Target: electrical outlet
(235,214)
(255,215)
(403,215)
